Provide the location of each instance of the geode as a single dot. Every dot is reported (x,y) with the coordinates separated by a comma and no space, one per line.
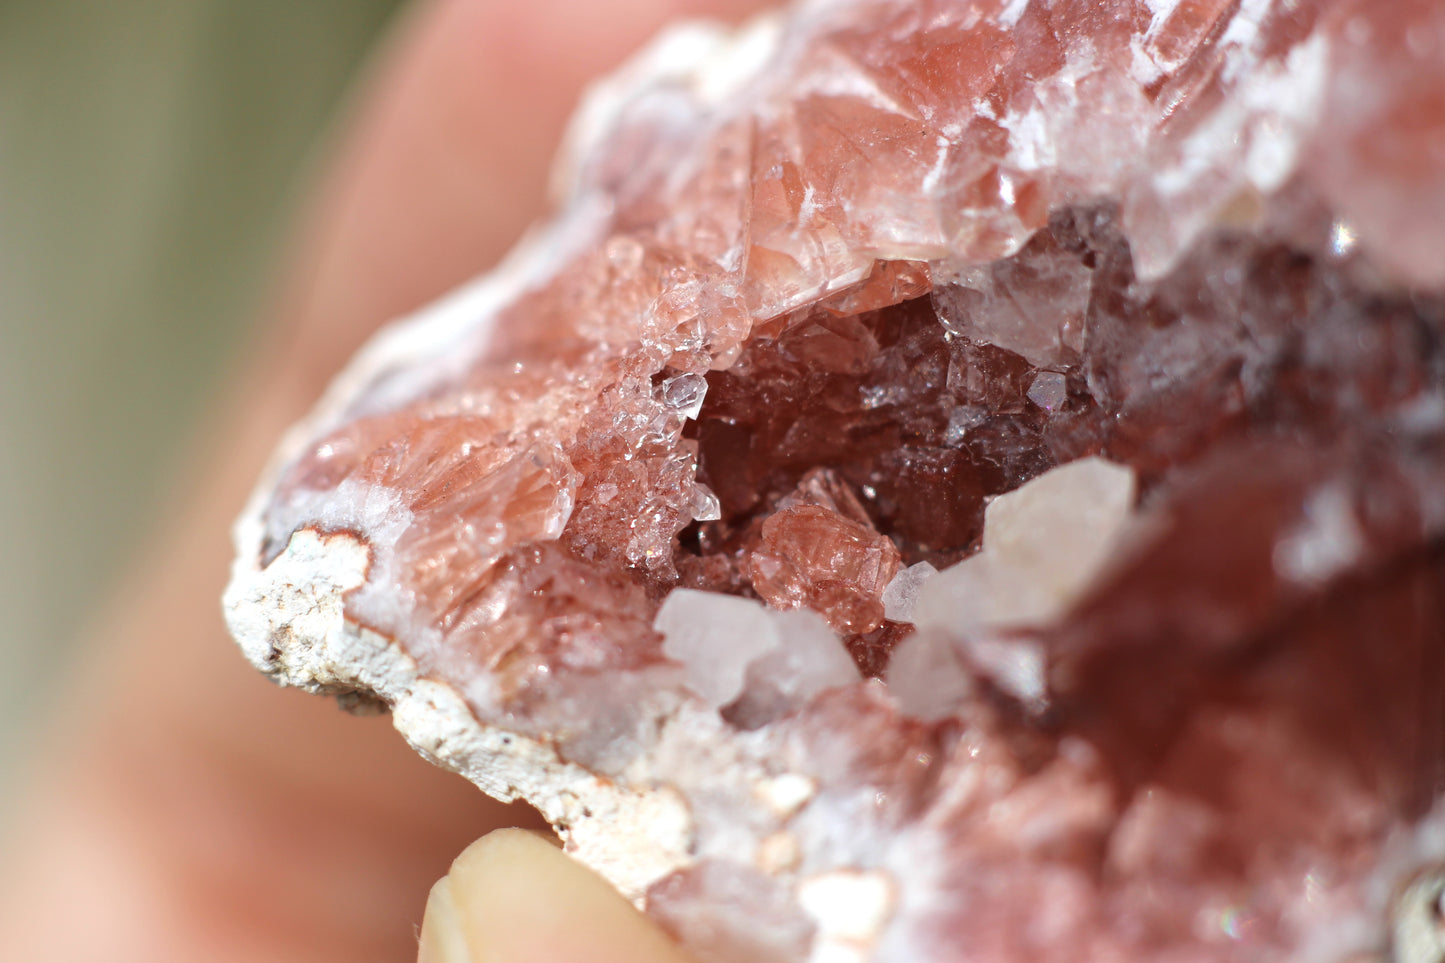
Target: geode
(953,481)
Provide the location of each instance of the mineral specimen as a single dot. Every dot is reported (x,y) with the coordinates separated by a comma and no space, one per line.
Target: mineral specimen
(954,480)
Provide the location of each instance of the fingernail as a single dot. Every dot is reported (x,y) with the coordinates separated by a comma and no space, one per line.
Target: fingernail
(443,939)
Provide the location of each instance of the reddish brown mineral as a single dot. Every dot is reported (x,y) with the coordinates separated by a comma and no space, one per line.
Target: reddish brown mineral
(1079,364)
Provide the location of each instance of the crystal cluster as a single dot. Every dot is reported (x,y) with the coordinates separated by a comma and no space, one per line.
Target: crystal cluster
(953,481)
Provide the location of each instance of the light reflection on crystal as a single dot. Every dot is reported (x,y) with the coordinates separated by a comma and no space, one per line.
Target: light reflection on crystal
(1342,239)
(1049,390)
(685,393)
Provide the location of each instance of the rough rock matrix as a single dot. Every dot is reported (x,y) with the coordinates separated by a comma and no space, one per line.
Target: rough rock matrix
(953,481)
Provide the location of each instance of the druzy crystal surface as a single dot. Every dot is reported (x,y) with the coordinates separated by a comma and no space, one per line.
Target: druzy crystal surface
(952,481)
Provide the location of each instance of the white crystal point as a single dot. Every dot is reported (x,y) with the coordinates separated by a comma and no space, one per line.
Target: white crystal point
(737,651)
(900,598)
(810,659)
(927,677)
(1049,390)
(1043,544)
(714,637)
(1062,523)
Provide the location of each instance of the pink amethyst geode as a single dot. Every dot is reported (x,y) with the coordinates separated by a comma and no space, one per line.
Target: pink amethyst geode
(953,481)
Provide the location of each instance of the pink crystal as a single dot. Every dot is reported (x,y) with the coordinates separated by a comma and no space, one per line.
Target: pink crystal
(819,294)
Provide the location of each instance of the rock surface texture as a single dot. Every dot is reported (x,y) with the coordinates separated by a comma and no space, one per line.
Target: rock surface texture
(953,481)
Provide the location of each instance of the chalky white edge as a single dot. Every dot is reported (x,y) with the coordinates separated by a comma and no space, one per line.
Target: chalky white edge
(290,622)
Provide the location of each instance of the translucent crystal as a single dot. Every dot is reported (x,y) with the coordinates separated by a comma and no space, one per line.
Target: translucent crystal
(1049,390)
(929,678)
(960,420)
(1031,304)
(705,506)
(1042,546)
(715,637)
(765,663)
(807,660)
(901,595)
(813,556)
(685,393)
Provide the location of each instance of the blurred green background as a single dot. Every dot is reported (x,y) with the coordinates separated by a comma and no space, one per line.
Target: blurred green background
(150,153)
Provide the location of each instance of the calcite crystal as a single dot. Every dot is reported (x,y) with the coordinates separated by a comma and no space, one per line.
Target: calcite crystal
(952,481)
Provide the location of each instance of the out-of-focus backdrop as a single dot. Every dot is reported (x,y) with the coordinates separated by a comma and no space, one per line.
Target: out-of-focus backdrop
(150,156)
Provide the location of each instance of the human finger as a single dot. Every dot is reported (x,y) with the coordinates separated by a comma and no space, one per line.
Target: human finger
(514,897)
